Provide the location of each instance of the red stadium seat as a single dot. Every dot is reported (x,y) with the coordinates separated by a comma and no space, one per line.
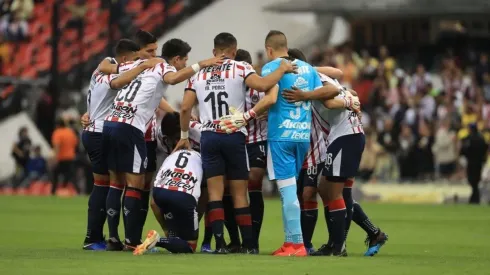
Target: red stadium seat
(134,6)
(70,34)
(90,35)
(29,72)
(142,19)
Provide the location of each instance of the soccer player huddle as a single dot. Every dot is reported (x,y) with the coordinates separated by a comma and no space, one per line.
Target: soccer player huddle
(295,122)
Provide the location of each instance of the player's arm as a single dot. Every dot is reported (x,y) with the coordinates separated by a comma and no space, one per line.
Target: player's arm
(266,102)
(106,67)
(265,83)
(348,101)
(188,103)
(165,106)
(326,92)
(173,78)
(331,72)
(126,77)
(85,120)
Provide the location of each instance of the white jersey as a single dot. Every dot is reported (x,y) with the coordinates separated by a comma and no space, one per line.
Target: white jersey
(135,104)
(256,128)
(341,122)
(151,128)
(181,171)
(99,98)
(218,88)
(194,138)
(317,153)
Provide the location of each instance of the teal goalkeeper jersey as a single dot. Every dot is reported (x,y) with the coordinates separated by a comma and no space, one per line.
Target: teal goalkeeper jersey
(291,121)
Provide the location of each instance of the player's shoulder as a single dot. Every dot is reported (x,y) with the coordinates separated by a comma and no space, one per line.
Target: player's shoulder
(126,66)
(188,152)
(271,66)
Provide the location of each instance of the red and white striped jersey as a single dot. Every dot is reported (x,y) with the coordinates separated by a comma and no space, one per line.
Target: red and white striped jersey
(99,99)
(219,88)
(181,171)
(151,128)
(256,128)
(317,153)
(341,122)
(135,104)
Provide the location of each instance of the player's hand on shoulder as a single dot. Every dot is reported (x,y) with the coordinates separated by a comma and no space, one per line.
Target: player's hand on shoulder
(217,60)
(152,62)
(293,95)
(288,66)
(182,144)
(85,120)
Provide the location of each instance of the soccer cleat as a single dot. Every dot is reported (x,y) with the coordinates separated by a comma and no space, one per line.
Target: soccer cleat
(233,248)
(282,248)
(114,244)
(206,248)
(221,251)
(149,243)
(310,250)
(251,251)
(324,250)
(291,251)
(375,244)
(98,246)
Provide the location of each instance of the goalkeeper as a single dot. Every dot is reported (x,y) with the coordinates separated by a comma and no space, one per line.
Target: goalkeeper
(288,133)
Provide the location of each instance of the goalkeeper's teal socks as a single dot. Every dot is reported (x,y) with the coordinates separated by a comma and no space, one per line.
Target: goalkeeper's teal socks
(291,210)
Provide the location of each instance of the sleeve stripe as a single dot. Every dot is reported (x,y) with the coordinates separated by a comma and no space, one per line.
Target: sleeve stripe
(189,89)
(249,74)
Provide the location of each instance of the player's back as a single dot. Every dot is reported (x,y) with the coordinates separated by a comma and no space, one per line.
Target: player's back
(99,98)
(181,171)
(340,122)
(135,103)
(291,121)
(218,88)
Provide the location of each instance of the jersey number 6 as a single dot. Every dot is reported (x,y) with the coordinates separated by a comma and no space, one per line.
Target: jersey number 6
(182,159)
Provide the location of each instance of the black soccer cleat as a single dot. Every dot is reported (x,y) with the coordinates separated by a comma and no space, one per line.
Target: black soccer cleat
(251,251)
(114,244)
(221,251)
(324,250)
(233,248)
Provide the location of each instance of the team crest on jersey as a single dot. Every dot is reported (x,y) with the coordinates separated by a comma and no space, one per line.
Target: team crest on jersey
(255,99)
(301,83)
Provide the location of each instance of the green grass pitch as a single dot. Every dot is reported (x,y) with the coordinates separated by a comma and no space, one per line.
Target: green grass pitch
(43,235)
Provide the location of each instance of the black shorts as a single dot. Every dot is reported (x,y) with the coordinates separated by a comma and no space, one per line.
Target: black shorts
(257,154)
(124,148)
(343,157)
(224,155)
(179,210)
(308,177)
(92,141)
(151,153)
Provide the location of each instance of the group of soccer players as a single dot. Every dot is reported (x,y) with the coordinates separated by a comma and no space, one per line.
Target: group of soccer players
(296,121)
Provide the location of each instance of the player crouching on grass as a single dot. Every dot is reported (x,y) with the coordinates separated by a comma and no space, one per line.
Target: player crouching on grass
(176,192)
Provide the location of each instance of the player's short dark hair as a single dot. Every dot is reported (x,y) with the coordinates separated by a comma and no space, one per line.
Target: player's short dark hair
(144,38)
(171,124)
(224,40)
(175,47)
(297,54)
(125,46)
(276,40)
(243,55)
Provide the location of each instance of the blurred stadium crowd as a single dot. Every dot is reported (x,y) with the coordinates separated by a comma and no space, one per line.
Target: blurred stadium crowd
(416,117)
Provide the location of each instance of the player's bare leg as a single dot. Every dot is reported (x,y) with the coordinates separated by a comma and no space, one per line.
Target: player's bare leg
(239,192)
(94,240)
(158,216)
(256,177)
(132,209)
(216,189)
(113,208)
